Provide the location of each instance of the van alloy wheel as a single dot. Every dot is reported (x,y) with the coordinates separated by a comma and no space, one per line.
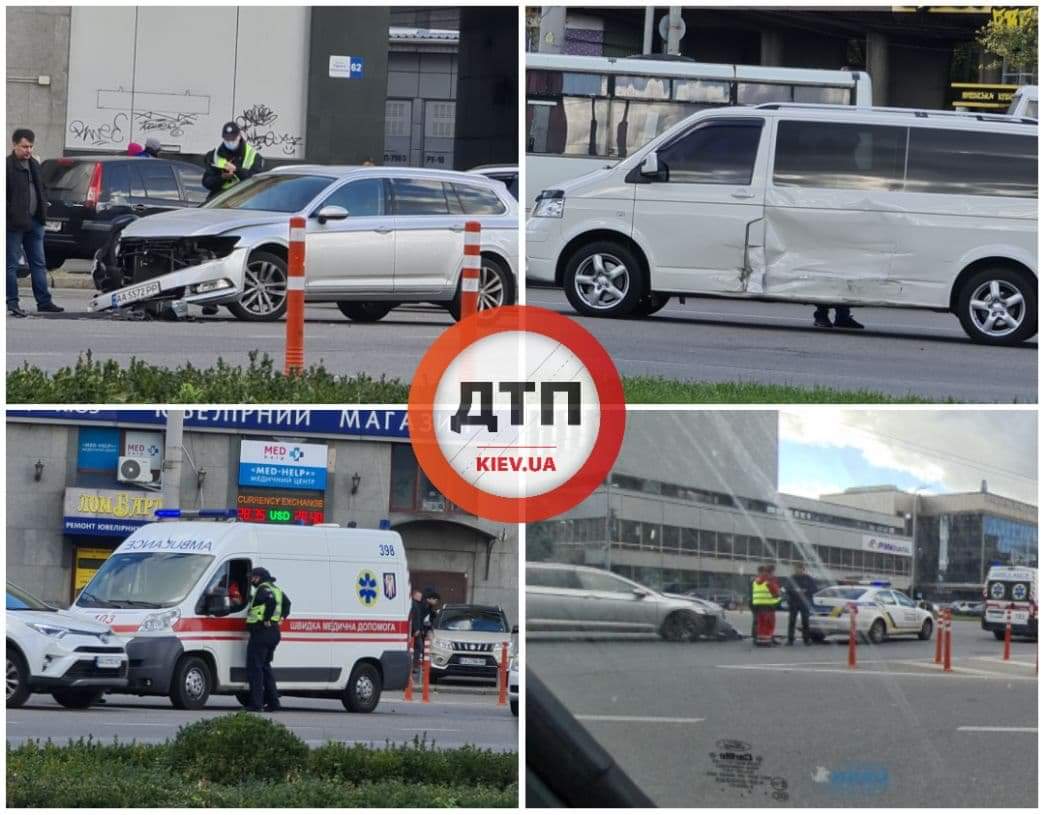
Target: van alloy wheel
(365,689)
(997,308)
(195,683)
(491,288)
(264,288)
(602,280)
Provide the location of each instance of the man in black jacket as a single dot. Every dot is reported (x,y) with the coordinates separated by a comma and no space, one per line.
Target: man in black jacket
(26,216)
(232,161)
(800,590)
(419,612)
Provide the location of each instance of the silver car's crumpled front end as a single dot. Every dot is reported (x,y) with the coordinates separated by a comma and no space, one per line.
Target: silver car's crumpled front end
(210,282)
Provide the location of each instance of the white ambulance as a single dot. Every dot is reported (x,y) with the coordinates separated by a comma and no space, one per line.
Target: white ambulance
(1010,594)
(178,592)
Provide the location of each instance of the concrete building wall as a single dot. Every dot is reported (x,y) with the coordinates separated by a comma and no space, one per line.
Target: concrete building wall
(38,45)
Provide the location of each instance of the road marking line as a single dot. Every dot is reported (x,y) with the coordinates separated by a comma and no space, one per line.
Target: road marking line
(858,672)
(1022,663)
(650,719)
(976,729)
(429,730)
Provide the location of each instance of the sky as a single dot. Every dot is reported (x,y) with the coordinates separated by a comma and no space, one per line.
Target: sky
(824,450)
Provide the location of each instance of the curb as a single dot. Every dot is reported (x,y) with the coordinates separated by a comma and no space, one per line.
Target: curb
(61,279)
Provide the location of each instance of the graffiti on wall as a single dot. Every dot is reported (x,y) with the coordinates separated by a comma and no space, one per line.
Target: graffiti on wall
(259,124)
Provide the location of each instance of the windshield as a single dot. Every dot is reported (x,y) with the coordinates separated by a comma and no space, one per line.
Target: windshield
(470,620)
(144,580)
(272,193)
(767,705)
(21,600)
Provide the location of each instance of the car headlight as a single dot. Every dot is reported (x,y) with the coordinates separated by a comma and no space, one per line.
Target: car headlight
(442,645)
(160,622)
(550,207)
(55,631)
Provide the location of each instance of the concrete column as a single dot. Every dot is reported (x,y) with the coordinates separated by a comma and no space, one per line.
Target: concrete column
(553,30)
(172,456)
(878,67)
(772,48)
(674,30)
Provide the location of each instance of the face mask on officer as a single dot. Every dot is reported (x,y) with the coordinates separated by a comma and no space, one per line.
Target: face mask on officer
(232,145)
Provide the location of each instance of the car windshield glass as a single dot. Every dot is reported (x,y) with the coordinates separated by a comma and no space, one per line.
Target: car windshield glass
(272,193)
(470,620)
(764,703)
(21,600)
(143,580)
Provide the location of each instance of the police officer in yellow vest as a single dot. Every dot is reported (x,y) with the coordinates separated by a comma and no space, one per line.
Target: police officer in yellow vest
(232,161)
(765,597)
(266,610)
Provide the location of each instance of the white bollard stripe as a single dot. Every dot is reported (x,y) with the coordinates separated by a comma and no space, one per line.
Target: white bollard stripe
(297,234)
(474,268)
(470,284)
(295,284)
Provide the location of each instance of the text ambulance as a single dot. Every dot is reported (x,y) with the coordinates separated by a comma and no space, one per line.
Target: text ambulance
(1010,594)
(179,592)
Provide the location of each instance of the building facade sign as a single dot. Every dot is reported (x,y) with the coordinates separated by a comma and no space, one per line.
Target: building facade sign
(276,507)
(285,465)
(108,513)
(887,546)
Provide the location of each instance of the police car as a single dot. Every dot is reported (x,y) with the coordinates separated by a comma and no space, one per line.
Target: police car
(881,612)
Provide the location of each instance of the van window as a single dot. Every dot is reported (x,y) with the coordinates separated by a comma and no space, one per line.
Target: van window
(478,201)
(419,197)
(967,162)
(717,153)
(143,580)
(553,578)
(833,155)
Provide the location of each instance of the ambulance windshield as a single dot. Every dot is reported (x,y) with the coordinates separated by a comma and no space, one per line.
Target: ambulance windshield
(144,580)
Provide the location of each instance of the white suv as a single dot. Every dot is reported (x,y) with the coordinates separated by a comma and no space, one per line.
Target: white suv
(823,204)
(50,651)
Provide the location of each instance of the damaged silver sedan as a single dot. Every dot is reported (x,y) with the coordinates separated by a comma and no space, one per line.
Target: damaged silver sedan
(375,237)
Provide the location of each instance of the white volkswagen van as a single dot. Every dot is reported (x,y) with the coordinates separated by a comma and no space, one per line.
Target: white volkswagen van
(1010,595)
(178,591)
(810,204)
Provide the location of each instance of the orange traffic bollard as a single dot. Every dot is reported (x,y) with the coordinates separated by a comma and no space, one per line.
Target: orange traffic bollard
(852,635)
(408,693)
(502,676)
(947,640)
(471,269)
(425,673)
(939,639)
(294,359)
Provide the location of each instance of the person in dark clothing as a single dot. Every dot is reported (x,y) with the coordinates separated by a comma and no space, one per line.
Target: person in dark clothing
(151,149)
(843,318)
(419,612)
(26,217)
(266,610)
(232,161)
(800,590)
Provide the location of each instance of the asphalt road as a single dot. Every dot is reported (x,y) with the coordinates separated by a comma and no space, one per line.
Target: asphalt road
(451,720)
(392,346)
(900,352)
(896,731)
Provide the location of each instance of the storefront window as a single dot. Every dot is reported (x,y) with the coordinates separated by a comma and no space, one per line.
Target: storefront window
(411,491)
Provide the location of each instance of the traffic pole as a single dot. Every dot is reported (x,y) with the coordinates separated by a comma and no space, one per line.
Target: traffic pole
(852,635)
(408,693)
(1008,634)
(947,641)
(425,673)
(502,676)
(939,638)
(470,269)
(295,352)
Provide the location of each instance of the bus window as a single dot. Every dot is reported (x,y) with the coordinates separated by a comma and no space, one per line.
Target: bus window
(710,92)
(642,87)
(821,95)
(758,93)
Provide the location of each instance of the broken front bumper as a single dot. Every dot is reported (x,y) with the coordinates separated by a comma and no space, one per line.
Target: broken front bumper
(211,283)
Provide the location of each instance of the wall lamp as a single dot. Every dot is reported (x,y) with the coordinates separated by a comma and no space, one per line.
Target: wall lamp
(355,483)
(38,470)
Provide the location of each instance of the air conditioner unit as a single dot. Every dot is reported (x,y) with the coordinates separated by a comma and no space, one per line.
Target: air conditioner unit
(134,470)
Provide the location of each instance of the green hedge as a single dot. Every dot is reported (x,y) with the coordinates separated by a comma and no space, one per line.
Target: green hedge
(229,760)
(262,381)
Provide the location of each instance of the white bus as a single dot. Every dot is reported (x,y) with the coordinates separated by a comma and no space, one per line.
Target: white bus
(583,113)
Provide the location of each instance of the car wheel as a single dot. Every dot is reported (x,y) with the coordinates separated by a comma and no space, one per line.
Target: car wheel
(681,627)
(368,312)
(514,705)
(495,288)
(433,679)
(364,689)
(876,634)
(604,279)
(927,630)
(77,697)
(17,679)
(190,686)
(999,635)
(53,262)
(264,289)
(650,304)
(998,306)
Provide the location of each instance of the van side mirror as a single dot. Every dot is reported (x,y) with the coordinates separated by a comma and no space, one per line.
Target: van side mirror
(651,169)
(331,213)
(218,604)
(515,629)
(639,593)
(650,164)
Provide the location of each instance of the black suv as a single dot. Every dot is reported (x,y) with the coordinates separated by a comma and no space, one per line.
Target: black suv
(88,196)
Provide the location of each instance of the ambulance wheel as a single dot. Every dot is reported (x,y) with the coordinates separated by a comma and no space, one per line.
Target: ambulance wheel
(927,630)
(190,687)
(243,697)
(77,698)
(877,632)
(999,635)
(364,689)
(514,705)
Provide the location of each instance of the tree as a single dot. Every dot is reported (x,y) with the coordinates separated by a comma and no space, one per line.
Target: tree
(1012,35)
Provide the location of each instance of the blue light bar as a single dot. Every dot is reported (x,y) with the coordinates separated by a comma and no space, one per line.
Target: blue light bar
(197,513)
(218,513)
(168,513)
(881,583)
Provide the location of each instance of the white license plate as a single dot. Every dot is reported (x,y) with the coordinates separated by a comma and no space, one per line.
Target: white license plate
(136,293)
(109,661)
(473,661)
(1019,617)
(53,226)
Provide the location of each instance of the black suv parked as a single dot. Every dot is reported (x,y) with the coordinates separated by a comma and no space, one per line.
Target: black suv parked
(89,195)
